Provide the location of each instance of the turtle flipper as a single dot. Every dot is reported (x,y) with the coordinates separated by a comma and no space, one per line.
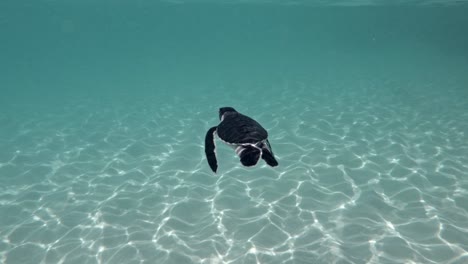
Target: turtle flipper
(267,154)
(210,149)
(249,155)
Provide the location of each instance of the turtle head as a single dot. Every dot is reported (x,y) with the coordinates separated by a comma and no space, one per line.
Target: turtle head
(224,110)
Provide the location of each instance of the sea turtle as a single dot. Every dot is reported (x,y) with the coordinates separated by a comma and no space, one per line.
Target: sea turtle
(245,135)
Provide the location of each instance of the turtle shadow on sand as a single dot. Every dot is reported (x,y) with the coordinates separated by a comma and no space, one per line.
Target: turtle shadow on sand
(245,135)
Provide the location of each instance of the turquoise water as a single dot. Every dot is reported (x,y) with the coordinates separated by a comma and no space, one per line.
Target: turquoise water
(104,109)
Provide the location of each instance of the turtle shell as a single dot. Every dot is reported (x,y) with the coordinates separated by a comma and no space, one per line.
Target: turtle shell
(237,128)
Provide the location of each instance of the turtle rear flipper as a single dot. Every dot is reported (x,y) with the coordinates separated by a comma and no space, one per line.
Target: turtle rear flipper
(267,154)
(249,155)
(210,149)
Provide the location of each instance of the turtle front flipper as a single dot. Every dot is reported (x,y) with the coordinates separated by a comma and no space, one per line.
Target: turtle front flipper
(210,149)
(248,155)
(267,154)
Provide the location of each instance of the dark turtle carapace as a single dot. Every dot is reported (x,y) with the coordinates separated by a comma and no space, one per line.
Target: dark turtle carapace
(246,135)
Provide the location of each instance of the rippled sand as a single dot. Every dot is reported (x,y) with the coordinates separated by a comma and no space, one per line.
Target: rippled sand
(370,179)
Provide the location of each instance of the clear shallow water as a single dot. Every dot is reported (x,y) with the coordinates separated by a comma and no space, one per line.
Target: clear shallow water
(332,3)
(104,110)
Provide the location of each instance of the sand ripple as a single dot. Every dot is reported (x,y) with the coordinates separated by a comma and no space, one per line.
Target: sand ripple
(371,180)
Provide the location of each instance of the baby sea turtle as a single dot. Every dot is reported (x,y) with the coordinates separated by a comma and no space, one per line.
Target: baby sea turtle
(245,135)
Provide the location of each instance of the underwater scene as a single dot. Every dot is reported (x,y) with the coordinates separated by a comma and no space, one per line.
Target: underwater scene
(110,115)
